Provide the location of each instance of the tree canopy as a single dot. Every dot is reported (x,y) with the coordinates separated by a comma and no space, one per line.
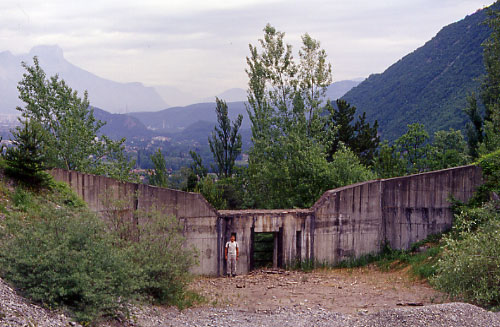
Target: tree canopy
(70,138)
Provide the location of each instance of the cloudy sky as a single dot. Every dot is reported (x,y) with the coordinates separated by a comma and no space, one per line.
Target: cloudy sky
(199,46)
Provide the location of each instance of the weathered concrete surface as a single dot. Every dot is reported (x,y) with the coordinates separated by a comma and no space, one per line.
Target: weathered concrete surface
(357,219)
(346,222)
(108,196)
(292,229)
(419,205)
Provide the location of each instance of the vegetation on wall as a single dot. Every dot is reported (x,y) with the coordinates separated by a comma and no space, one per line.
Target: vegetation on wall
(61,255)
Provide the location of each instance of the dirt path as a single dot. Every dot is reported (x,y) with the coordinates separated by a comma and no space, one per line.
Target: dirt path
(348,291)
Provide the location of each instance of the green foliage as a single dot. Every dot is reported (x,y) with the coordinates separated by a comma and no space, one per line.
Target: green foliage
(389,163)
(213,194)
(360,137)
(197,166)
(225,143)
(287,164)
(64,258)
(469,268)
(490,165)
(158,176)
(413,153)
(484,133)
(164,259)
(470,265)
(490,88)
(61,255)
(449,149)
(26,160)
(346,168)
(414,148)
(61,192)
(474,127)
(70,138)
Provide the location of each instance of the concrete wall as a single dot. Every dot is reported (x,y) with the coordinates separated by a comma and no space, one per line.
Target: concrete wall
(284,223)
(348,222)
(357,219)
(105,195)
(345,222)
(418,205)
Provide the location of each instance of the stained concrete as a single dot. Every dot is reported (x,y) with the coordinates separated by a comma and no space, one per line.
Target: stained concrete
(346,222)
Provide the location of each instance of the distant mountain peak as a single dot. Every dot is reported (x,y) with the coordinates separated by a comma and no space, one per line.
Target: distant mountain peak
(103,93)
(50,51)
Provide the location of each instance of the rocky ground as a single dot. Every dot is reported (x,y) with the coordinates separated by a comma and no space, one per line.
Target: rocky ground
(341,297)
(16,311)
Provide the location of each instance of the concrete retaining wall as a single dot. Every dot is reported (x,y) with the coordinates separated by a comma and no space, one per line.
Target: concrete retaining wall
(345,222)
(357,219)
(103,194)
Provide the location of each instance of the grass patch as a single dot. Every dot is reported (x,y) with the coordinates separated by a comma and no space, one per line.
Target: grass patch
(422,261)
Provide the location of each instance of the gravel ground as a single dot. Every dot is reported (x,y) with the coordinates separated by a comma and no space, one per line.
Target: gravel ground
(16,311)
(439,315)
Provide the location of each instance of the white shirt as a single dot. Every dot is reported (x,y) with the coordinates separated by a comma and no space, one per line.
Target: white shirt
(231,247)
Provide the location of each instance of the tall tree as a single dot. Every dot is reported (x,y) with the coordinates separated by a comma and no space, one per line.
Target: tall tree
(158,176)
(449,149)
(287,162)
(225,142)
(358,135)
(71,140)
(315,75)
(414,148)
(474,127)
(490,94)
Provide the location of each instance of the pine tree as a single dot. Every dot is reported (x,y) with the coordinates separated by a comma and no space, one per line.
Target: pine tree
(27,159)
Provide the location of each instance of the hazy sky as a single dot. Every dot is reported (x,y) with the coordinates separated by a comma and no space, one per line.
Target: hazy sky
(200,45)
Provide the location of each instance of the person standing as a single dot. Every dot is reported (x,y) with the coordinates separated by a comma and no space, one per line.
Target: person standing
(232,253)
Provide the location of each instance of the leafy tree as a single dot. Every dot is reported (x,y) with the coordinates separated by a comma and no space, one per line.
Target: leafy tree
(290,172)
(315,74)
(213,194)
(287,163)
(158,176)
(225,142)
(414,148)
(388,163)
(346,168)
(449,149)
(26,160)
(71,131)
(197,165)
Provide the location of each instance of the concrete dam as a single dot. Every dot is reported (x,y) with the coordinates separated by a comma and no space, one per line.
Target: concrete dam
(344,223)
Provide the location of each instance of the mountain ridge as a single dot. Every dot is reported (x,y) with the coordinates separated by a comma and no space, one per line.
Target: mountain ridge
(103,93)
(428,85)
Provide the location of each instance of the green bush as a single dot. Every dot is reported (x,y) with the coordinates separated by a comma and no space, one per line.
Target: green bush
(490,165)
(61,255)
(163,258)
(64,258)
(469,267)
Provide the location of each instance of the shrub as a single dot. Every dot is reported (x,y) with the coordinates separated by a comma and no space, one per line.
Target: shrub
(64,258)
(164,259)
(469,267)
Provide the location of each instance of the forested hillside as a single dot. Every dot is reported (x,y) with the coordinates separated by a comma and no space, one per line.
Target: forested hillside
(429,85)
